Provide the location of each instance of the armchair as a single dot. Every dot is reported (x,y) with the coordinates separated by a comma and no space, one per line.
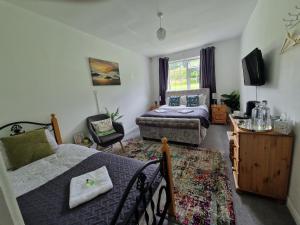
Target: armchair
(110,139)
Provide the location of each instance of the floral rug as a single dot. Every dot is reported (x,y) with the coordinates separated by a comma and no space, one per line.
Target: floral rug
(201,185)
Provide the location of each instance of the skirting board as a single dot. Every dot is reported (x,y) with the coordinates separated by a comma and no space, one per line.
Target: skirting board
(293,211)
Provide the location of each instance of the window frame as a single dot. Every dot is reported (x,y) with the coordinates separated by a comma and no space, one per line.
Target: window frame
(185,62)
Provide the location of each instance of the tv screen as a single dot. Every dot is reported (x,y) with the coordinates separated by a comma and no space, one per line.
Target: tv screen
(253,68)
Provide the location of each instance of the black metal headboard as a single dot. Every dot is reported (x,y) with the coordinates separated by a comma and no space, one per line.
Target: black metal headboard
(17,128)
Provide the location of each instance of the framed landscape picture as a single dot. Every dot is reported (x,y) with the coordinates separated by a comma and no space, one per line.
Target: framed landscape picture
(104,72)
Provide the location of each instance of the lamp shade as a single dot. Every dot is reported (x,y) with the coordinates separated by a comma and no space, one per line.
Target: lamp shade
(161,33)
(215,96)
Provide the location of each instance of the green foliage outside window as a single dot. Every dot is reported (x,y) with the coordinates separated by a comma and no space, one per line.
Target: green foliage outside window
(184,74)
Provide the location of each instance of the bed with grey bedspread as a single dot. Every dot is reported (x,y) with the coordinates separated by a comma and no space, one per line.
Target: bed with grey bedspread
(48,204)
(179,127)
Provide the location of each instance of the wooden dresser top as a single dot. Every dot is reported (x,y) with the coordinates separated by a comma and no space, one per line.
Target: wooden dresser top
(234,123)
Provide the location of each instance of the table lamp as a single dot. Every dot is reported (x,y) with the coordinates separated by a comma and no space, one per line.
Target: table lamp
(215,97)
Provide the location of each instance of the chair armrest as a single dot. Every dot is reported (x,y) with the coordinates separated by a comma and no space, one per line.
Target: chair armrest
(93,133)
(118,127)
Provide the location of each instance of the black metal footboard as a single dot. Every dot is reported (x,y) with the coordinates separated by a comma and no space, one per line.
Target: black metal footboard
(146,192)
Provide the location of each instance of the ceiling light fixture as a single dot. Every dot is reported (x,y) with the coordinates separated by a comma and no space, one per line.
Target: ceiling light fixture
(161,32)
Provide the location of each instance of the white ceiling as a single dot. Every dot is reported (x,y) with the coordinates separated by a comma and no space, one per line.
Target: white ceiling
(133,23)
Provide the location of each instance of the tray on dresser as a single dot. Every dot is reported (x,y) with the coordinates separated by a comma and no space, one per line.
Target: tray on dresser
(245,124)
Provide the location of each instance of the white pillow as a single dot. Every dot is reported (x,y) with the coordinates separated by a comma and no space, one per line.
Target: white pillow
(183,100)
(51,140)
(202,99)
(103,125)
(4,156)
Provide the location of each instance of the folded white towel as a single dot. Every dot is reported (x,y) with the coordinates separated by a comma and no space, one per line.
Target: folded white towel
(80,192)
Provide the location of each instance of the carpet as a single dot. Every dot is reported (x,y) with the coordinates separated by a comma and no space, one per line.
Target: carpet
(201,184)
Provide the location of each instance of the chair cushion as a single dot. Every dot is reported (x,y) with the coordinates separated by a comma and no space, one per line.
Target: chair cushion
(105,133)
(103,127)
(112,138)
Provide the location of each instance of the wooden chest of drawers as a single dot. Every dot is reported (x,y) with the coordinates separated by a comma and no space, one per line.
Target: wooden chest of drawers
(219,114)
(261,162)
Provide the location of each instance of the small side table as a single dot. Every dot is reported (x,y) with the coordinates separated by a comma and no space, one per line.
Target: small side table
(219,114)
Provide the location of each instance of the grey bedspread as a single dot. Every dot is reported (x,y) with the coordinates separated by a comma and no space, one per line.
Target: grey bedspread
(197,113)
(49,203)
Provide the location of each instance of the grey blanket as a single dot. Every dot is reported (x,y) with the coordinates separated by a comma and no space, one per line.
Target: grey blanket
(49,203)
(197,113)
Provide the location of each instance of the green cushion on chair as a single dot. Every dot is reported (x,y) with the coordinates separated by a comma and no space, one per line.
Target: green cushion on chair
(105,133)
(26,148)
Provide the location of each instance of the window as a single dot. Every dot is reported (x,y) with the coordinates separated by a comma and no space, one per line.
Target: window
(184,74)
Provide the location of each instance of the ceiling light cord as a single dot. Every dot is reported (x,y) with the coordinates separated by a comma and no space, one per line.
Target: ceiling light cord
(160,22)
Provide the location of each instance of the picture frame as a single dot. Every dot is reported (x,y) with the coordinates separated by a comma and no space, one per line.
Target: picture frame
(104,72)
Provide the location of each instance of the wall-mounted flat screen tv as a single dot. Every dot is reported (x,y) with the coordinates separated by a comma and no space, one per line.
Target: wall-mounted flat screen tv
(253,68)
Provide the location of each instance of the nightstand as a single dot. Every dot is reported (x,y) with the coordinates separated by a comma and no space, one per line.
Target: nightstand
(219,114)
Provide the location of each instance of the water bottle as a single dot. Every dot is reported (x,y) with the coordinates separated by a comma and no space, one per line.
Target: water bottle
(267,122)
(260,125)
(255,115)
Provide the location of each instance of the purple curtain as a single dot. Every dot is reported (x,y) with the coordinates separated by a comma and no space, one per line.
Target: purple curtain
(207,69)
(163,79)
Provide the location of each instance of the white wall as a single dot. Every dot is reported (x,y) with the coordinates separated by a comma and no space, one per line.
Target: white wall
(266,31)
(227,59)
(44,69)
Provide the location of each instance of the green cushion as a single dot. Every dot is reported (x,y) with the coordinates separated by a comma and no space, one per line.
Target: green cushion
(105,133)
(26,148)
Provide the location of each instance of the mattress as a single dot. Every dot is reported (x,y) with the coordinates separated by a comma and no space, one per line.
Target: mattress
(42,187)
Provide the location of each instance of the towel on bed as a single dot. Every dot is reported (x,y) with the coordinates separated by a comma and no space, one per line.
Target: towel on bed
(88,186)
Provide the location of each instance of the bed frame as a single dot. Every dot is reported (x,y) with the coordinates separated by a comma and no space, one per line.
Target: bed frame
(138,180)
(145,188)
(178,130)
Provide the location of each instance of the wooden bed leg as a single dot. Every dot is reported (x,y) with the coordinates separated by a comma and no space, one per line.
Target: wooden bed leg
(165,149)
(56,129)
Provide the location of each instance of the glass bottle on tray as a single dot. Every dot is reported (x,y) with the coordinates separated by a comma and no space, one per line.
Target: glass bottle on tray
(267,122)
(261,117)
(255,115)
